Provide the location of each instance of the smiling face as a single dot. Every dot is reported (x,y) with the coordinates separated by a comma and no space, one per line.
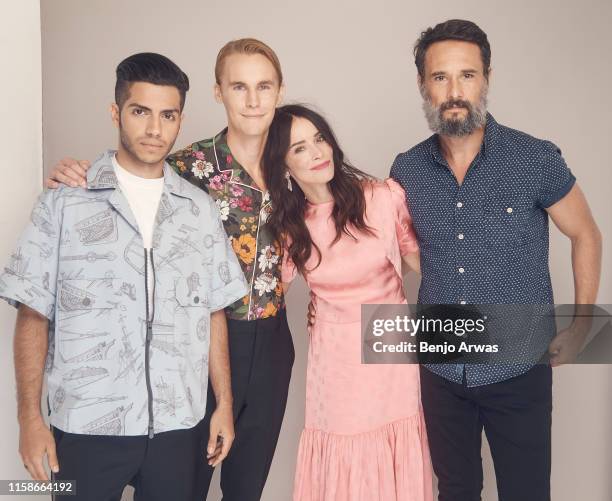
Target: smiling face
(250,90)
(148,122)
(310,157)
(454,88)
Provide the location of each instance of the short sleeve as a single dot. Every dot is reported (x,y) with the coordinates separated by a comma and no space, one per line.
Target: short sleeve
(179,162)
(227,284)
(288,269)
(556,178)
(30,276)
(406,236)
(182,162)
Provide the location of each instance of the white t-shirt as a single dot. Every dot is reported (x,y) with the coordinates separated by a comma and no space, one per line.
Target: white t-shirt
(143,195)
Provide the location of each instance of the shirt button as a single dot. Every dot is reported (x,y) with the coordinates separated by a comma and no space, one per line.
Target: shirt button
(196,299)
(509,210)
(461,270)
(462,302)
(460,236)
(86,301)
(460,204)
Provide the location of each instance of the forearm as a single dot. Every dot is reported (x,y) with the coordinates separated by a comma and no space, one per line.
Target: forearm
(219,369)
(586,264)
(30,351)
(411,261)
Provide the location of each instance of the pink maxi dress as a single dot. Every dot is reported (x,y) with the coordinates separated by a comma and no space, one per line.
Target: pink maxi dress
(364,436)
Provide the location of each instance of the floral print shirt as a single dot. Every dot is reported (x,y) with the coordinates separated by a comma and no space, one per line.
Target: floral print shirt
(244,209)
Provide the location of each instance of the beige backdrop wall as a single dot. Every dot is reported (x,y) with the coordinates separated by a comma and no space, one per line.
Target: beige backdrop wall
(353,61)
(20,133)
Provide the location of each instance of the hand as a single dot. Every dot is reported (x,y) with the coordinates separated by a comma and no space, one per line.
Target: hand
(566,345)
(36,440)
(221,434)
(70,172)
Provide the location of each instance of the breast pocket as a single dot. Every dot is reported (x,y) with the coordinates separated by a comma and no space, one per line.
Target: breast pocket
(88,313)
(506,222)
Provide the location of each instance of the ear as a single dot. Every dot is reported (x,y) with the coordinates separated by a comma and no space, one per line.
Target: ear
(217,93)
(115,114)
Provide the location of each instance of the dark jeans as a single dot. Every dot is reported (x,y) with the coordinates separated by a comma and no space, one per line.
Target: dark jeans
(516,417)
(261,357)
(160,469)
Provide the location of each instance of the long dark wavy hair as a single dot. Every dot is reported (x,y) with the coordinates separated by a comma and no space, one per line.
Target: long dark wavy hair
(287,220)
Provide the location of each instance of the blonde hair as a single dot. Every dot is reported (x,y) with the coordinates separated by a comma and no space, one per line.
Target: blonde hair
(247,46)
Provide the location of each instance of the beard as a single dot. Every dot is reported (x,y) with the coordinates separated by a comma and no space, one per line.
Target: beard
(130,147)
(455,127)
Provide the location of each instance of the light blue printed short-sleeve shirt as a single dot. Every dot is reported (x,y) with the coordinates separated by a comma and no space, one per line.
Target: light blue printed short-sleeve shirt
(116,364)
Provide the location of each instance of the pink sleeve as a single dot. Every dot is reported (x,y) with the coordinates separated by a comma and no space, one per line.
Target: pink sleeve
(288,269)
(406,236)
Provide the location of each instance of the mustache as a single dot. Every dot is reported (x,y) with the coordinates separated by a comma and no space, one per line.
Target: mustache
(455,103)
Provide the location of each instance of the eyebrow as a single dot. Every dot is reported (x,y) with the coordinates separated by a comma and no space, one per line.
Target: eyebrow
(318,133)
(268,82)
(468,70)
(136,105)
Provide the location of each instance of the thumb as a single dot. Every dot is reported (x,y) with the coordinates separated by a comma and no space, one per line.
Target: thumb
(212,441)
(52,457)
(555,346)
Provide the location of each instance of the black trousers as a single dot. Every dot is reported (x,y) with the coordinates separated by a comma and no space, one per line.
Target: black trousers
(261,357)
(516,417)
(160,469)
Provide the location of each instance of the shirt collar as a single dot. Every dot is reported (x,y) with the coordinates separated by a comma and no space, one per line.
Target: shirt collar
(101,175)
(491,134)
(226,162)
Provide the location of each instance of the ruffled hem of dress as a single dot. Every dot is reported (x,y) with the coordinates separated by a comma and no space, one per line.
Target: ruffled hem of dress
(390,463)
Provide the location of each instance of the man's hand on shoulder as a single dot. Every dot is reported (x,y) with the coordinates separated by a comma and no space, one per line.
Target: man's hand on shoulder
(70,172)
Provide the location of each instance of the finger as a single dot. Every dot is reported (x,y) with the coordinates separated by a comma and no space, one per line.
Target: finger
(51,184)
(52,457)
(28,469)
(73,174)
(85,165)
(216,451)
(221,456)
(556,359)
(212,458)
(38,470)
(62,178)
(212,441)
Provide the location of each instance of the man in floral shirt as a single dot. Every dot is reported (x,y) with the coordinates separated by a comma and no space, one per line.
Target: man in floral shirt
(244,209)
(249,84)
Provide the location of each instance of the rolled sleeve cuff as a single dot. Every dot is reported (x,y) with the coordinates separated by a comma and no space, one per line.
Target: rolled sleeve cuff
(560,193)
(16,291)
(228,294)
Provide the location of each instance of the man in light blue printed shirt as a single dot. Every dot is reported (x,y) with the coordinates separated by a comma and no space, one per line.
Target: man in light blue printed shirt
(121,286)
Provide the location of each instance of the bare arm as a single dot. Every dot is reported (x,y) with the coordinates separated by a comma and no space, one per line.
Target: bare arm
(222,420)
(413,261)
(30,352)
(573,217)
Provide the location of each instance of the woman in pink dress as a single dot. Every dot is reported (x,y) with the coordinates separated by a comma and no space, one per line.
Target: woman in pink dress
(347,234)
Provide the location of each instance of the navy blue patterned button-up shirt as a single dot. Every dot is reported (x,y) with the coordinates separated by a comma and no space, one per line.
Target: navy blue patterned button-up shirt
(484,241)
